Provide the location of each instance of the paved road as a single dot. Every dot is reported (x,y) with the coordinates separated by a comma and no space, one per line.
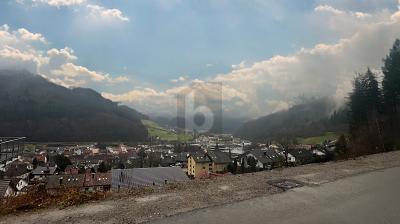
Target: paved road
(367,198)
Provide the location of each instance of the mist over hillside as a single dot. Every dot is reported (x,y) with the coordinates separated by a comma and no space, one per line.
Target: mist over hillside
(310,118)
(32,106)
(224,124)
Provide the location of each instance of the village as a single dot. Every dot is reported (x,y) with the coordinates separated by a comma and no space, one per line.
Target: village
(99,167)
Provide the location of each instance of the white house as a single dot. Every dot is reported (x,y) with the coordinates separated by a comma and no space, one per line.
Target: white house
(21,185)
(291,158)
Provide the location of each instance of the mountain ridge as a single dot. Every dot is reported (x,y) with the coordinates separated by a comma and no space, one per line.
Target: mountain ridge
(310,118)
(34,107)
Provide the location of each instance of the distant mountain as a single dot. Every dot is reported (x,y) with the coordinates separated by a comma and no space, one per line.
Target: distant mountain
(311,118)
(224,124)
(32,106)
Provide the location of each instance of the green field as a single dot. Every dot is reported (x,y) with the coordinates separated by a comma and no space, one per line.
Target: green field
(319,139)
(155,130)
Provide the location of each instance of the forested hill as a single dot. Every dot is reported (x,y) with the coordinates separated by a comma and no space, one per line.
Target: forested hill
(311,118)
(32,106)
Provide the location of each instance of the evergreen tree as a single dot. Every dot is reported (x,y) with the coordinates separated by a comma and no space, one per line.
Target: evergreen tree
(120,165)
(103,167)
(35,163)
(242,165)
(365,108)
(62,162)
(391,80)
(391,96)
(142,156)
(341,147)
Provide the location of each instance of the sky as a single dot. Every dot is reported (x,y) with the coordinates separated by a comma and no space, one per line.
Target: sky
(142,53)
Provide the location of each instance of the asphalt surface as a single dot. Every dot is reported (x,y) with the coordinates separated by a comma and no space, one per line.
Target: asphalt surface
(366,198)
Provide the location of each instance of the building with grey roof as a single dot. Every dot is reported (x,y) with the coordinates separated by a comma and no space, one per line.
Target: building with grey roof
(219,157)
(262,161)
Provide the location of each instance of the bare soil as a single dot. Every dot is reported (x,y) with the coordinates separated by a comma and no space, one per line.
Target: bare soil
(146,204)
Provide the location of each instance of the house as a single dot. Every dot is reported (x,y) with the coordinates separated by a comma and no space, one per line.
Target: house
(41,159)
(55,183)
(300,156)
(220,161)
(88,182)
(97,182)
(41,172)
(21,185)
(257,158)
(290,159)
(181,159)
(167,161)
(199,165)
(321,154)
(331,146)
(70,169)
(16,170)
(277,159)
(17,186)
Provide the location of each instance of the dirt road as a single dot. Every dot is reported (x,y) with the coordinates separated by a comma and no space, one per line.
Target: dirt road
(160,202)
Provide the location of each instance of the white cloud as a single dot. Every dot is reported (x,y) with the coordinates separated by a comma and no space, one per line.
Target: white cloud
(26,35)
(328,8)
(21,35)
(180,79)
(71,70)
(58,65)
(277,105)
(209,65)
(94,11)
(346,23)
(241,65)
(97,11)
(59,3)
(11,57)
(68,82)
(119,79)
(66,53)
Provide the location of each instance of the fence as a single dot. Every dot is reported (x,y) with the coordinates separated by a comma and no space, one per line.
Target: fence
(10,148)
(147,176)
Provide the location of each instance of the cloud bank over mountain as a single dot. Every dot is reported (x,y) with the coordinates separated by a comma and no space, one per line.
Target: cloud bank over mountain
(327,69)
(250,89)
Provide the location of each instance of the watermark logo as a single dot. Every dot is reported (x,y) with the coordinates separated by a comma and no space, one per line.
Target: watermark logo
(199,109)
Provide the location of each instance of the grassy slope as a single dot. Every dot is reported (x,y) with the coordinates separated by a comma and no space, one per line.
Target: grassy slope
(156,130)
(319,139)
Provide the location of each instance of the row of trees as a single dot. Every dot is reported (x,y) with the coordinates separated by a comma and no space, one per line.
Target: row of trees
(375,108)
